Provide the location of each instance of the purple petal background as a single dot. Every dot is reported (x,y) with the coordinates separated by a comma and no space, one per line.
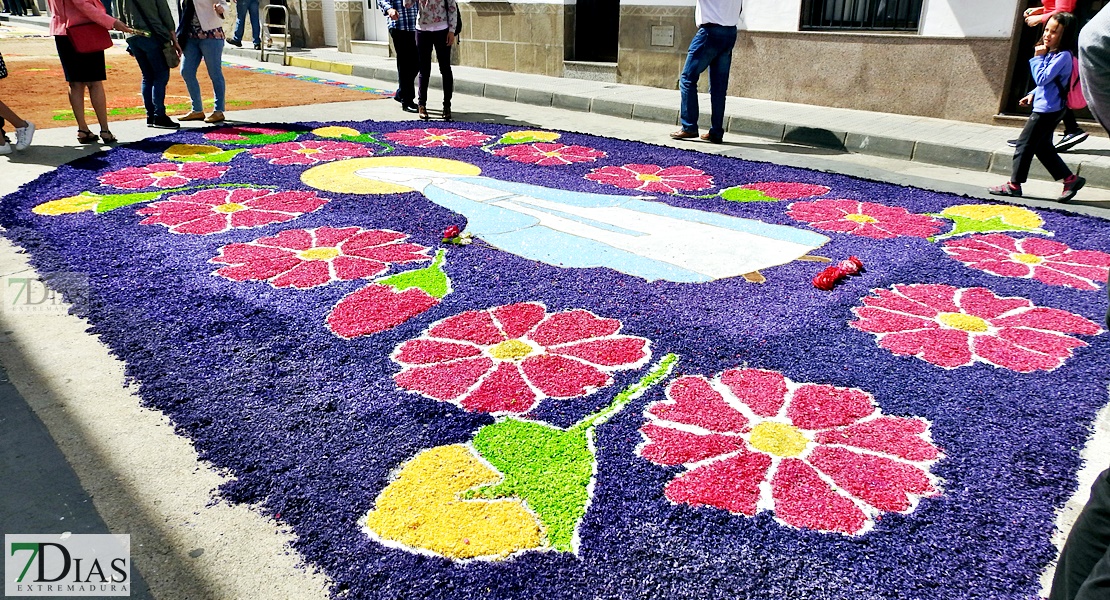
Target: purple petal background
(311,425)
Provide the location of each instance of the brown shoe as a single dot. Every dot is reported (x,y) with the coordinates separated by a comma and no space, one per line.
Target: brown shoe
(682,134)
(216,117)
(712,140)
(193,115)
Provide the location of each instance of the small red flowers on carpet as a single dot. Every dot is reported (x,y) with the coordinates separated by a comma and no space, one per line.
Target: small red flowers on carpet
(549,154)
(817,456)
(434,137)
(310,152)
(1046,261)
(652,178)
(215,210)
(956,327)
(162,175)
(507,359)
(305,258)
(868,219)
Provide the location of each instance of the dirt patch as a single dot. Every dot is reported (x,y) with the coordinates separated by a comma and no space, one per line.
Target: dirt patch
(36,88)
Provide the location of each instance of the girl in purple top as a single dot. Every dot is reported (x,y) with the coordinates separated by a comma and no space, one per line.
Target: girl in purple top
(1051,65)
(436,24)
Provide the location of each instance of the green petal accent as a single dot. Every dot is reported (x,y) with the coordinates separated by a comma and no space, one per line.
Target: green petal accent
(257,140)
(965,226)
(432,279)
(215,157)
(551,468)
(114,201)
(739,194)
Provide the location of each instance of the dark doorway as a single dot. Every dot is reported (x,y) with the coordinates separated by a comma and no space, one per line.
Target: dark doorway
(1021,82)
(596,29)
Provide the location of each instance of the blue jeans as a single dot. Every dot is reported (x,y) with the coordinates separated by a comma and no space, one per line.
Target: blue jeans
(211,50)
(244,8)
(156,73)
(711,48)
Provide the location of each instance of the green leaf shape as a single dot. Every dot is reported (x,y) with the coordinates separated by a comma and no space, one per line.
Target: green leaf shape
(965,226)
(740,194)
(551,468)
(114,201)
(432,279)
(260,139)
(214,157)
(527,137)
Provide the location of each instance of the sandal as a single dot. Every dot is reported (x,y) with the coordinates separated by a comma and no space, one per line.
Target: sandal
(1006,189)
(85,136)
(107,137)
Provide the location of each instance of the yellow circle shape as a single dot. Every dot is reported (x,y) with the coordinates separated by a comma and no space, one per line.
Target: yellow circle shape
(779,439)
(230,207)
(64,206)
(187,150)
(421,509)
(1029,259)
(322,253)
(339,176)
(861,218)
(335,132)
(510,350)
(1010,215)
(532,136)
(648,177)
(964,322)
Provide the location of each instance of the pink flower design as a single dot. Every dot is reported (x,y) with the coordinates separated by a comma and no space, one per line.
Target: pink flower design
(310,152)
(955,327)
(652,178)
(305,258)
(432,137)
(506,359)
(1047,261)
(817,456)
(868,219)
(216,210)
(549,154)
(162,175)
(239,134)
(787,190)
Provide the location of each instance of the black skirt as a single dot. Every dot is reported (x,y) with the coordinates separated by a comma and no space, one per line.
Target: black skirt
(80,67)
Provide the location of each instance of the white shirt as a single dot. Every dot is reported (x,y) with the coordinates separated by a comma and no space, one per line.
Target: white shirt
(718,12)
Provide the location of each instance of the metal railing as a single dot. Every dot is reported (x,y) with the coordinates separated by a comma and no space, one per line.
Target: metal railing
(860,15)
(268,42)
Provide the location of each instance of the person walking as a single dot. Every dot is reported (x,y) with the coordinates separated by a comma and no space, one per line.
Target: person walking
(201,35)
(1035,17)
(23,133)
(1051,66)
(402,30)
(155,21)
(710,49)
(436,23)
(84,71)
(244,9)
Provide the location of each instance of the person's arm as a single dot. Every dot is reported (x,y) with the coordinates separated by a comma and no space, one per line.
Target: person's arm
(452,20)
(163,25)
(386,6)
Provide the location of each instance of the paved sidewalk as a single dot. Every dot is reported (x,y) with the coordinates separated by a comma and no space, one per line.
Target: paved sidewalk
(958,144)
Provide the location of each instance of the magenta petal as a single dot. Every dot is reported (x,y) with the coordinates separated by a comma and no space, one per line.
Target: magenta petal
(821,406)
(803,499)
(692,401)
(667,446)
(614,351)
(518,319)
(562,377)
(731,483)
(763,391)
(309,273)
(423,351)
(884,483)
(896,436)
(572,326)
(472,326)
(445,381)
(504,390)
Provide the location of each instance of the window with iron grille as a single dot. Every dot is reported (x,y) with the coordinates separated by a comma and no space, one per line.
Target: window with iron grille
(861,15)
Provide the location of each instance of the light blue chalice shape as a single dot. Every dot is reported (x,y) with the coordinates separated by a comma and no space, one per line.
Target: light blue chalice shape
(651,240)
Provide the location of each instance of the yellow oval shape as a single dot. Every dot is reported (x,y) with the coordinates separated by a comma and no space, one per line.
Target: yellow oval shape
(1010,215)
(421,509)
(339,176)
(334,131)
(189,150)
(64,206)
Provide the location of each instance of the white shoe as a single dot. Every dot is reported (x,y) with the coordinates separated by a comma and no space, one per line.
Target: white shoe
(6,148)
(23,136)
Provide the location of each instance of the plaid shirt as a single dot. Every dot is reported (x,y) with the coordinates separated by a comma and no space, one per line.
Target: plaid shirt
(406,17)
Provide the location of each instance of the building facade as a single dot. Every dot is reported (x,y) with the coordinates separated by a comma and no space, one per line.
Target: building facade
(950,59)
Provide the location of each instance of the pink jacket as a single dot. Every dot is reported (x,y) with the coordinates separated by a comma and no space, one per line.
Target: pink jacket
(66,13)
(1052,7)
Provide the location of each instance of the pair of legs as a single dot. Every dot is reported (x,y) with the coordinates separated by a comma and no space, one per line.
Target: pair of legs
(210,50)
(156,74)
(1083,571)
(244,9)
(99,103)
(8,115)
(425,42)
(710,49)
(404,42)
(1036,141)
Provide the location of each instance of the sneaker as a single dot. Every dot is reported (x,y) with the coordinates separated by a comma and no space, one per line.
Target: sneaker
(164,122)
(1071,187)
(1070,140)
(23,136)
(1006,189)
(236,43)
(1012,143)
(257,46)
(409,107)
(216,117)
(6,148)
(150,121)
(193,115)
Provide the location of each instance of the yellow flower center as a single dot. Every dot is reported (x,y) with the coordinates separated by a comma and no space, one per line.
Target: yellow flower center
(779,439)
(184,150)
(308,151)
(230,207)
(963,322)
(860,218)
(552,153)
(646,177)
(161,174)
(335,132)
(436,138)
(324,253)
(510,350)
(1029,259)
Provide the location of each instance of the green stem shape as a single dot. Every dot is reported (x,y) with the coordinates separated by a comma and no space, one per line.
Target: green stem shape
(432,278)
(549,468)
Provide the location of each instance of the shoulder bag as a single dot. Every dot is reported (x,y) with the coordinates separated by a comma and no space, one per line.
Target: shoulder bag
(89,37)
